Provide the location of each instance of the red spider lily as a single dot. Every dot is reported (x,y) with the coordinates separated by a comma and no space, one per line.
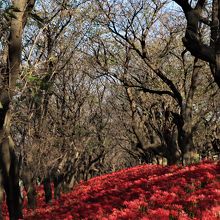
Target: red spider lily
(147,192)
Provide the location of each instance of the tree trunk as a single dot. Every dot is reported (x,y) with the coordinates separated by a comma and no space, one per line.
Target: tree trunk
(172,154)
(29,187)
(188,152)
(194,43)
(47,190)
(186,132)
(31,196)
(1,194)
(8,160)
(57,185)
(9,166)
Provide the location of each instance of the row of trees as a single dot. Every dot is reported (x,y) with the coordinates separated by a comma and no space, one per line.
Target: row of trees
(89,87)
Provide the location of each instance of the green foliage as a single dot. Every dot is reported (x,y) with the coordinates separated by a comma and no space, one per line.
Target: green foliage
(19,85)
(32,78)
(40,83)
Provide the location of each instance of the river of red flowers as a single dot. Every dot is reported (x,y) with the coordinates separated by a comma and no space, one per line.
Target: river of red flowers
(144,192)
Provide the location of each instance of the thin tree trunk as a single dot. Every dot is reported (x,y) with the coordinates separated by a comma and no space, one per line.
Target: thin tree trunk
(47,190)
(1,194)
(29,188)
(57,186)
(31,196)
(187,134)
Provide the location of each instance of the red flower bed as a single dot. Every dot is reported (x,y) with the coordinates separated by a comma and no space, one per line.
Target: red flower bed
(143,192)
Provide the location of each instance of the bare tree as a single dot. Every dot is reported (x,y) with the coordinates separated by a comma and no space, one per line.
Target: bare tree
(130,27)
(195,14)
(20,11)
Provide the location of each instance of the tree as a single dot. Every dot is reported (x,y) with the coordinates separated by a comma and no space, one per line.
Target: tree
(59,106)
(20,11)
(196,15)
(133,26)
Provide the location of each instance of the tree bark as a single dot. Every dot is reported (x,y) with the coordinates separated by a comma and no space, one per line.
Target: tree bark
(193,42)
(47,190)
(187,133)
(9,166)
(8,160)
(1,194)
(30,188)
(58,180)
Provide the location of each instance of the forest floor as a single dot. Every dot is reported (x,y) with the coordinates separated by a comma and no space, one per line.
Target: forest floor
(143,192)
